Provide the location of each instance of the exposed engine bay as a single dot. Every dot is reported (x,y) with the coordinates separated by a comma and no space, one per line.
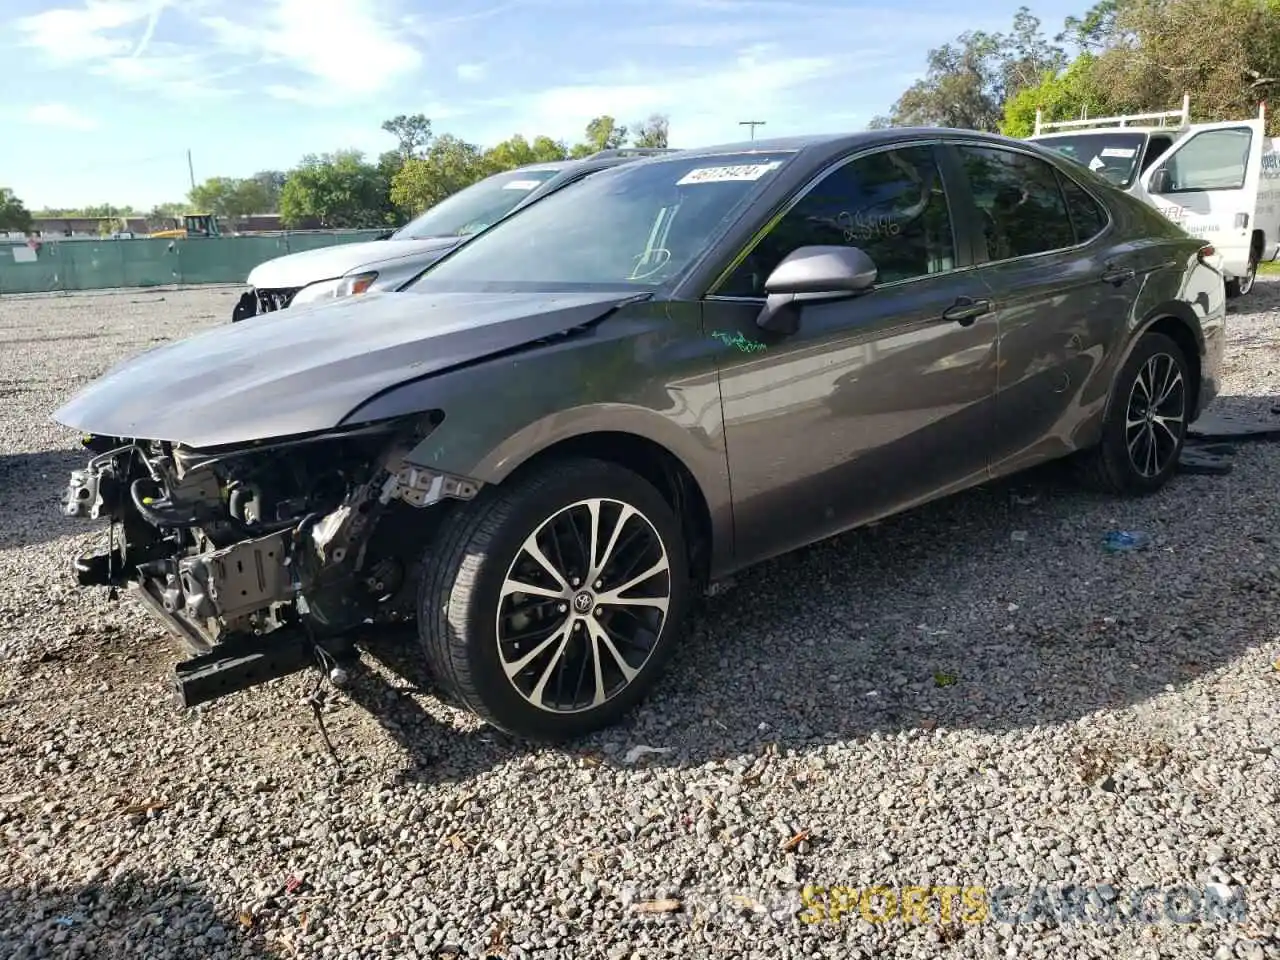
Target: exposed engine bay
(263,556)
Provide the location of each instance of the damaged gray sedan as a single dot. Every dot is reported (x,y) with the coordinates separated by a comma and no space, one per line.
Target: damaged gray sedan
(543,448)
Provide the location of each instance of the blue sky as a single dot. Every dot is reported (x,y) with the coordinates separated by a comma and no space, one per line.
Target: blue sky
(100,99)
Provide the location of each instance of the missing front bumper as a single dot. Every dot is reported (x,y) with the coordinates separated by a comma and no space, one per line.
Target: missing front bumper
(241,662)
(239,665)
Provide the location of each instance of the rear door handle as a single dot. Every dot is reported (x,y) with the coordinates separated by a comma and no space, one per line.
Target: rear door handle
(966,310)
(1118,275)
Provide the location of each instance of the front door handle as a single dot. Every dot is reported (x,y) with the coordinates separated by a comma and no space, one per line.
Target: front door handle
(966,310)
(1117,275)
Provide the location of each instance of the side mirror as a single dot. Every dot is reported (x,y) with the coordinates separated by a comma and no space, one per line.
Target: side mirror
(1161,181)
(813,274)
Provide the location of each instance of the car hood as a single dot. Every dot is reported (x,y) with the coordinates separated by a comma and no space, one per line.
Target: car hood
(303,370)
(325,263)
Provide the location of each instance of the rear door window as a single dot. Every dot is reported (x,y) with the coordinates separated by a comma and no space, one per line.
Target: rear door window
(1019,201)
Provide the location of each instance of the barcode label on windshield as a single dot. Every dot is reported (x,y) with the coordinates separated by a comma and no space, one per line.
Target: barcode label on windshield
(741,171)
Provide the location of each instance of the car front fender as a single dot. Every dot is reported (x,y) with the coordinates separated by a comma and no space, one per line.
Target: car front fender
(640,373)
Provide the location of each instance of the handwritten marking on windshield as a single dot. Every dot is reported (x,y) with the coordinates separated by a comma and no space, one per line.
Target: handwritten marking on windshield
(739,341)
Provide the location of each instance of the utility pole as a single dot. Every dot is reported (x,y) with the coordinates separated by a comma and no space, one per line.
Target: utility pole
(752,124)
(191,171)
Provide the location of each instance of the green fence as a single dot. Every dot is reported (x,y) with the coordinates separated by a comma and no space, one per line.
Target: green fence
(60,265)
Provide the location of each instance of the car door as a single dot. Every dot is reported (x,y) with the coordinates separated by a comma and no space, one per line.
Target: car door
(1208,184)
(1269,198)
(1060,288)
(876,402)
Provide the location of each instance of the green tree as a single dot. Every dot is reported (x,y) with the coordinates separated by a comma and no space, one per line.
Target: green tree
(653,132)
(449,165)
(107,210)
(1139,56)
(13,215)
(341,190)
(519,152)
(967,82)
(1095,29)
(271,182)
(603,133)
(1226,54)
(231,198)
(1059,96)
(211,196)
(412,132)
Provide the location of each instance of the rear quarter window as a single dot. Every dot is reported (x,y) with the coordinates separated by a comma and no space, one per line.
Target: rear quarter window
(1088,218)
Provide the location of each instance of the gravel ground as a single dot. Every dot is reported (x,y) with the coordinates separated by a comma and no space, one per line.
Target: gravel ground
(975,695)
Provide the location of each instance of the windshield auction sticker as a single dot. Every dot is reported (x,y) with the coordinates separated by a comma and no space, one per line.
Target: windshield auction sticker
(741,171)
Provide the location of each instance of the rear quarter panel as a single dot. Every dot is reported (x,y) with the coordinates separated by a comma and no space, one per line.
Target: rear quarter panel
(1171,282)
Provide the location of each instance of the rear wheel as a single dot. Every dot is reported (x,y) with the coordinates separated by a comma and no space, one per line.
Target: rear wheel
(550,604)
(1239,286)
(1146,423)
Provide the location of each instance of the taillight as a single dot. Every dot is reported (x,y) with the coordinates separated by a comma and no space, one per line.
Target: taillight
(1206,252)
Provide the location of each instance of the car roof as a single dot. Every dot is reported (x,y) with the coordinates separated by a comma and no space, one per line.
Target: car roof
(822,146)
(602,158)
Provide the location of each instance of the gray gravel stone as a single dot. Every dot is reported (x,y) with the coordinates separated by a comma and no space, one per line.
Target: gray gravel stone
(1111,720)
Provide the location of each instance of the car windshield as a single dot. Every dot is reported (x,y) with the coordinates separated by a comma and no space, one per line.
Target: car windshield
(1108,153)
(639,224)
(475,208)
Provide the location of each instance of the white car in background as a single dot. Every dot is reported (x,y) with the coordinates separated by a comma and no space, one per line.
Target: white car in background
(349,269)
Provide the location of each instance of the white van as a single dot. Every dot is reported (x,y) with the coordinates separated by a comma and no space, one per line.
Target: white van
(1218,181)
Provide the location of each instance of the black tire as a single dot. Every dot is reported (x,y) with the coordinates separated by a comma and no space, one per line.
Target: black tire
(1241,286)
(461,595)
(1108,466)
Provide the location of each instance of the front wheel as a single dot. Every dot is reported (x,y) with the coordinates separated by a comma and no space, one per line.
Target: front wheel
(550,604)
(1146,422)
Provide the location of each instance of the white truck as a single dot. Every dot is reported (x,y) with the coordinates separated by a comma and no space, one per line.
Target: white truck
(1218,181)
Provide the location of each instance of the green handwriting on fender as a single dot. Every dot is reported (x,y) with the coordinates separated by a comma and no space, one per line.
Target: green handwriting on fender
(739,341)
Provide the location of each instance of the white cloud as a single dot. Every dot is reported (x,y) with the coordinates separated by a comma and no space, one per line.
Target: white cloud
(153,21)
(59,115)
(704,105)
(472,72)
(71,35)
(343,52)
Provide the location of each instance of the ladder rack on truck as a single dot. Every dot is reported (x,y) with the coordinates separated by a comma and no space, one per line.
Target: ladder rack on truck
(1161,119)
(1145,121)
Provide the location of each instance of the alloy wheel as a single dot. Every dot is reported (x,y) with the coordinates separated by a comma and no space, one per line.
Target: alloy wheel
(1156,417)
(583,605)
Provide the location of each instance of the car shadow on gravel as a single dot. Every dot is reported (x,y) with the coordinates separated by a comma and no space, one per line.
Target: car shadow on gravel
(812,648)
(126,916)
(386,683)
(928,620)
(31,488)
